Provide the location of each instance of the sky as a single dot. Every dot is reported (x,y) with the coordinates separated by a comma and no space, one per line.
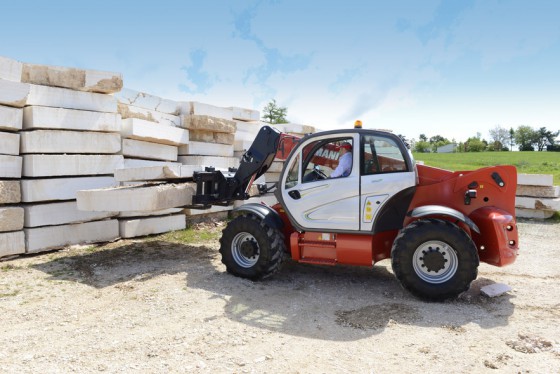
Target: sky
(449,68)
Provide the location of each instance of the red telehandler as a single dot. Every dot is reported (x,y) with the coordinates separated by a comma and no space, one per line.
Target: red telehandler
(435,225)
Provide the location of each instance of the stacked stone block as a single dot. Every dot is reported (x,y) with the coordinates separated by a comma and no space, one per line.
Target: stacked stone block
(537,197)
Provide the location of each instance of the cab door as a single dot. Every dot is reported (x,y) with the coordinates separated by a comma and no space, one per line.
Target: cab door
(315,201)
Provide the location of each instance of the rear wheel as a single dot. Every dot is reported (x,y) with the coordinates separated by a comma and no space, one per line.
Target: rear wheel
(251,249)
(434,259)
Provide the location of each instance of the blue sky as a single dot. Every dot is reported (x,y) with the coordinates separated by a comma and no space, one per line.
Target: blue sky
(452,68)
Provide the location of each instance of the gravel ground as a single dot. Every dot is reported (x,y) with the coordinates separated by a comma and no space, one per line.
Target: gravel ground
(158,306)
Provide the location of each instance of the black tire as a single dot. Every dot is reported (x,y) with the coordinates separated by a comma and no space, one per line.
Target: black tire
(251,249)
(449,268)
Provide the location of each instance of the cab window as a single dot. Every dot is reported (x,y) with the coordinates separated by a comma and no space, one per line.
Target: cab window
(381,155)
(323,159)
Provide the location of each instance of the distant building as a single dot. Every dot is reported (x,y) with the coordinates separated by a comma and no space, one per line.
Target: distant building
(448,148)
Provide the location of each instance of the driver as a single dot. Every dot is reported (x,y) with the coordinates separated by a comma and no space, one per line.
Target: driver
(344,161)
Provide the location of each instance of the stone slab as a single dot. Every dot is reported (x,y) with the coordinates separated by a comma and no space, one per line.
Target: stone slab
(248,127)
(133,128)
(51,189)
(40,117)
(495,290)
(210,161)
(136,163)
(148,150)
(271,177)
(67,165)
(140,213)
(244,114)
(242,145)
(207,123)
(10,69)
(537,203)
(211,137)
(9,143)
(535,179)
(131,228)
(133,198)
(10,118)
(147,101)
(276,167)
(60,141)
(72,78)
(206,149)
(41,239)
(244,135)
(538,191)
(11,218)
(10,191)
(12,243)
(212,209)
(62,213)
(196,108)
(151,173)
(10,166)
(533,213)
(295,128)
(131,111)
(14,94)
(65,98)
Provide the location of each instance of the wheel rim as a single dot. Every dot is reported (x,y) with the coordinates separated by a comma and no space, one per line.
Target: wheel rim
(245,249)
(435,262)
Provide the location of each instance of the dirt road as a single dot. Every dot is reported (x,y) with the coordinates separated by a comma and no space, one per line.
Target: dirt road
(157,306)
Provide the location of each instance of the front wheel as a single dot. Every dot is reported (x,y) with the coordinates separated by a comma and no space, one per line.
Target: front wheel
(434,259)
(251,249)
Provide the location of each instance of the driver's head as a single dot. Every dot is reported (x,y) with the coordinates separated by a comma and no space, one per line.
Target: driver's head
(347,147)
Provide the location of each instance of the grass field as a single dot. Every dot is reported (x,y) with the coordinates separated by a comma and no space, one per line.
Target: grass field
(526,162)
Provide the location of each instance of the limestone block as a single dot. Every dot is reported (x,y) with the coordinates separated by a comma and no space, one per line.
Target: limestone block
(147,101)
(10,118)
(298,129)
(72,78)
(242,145)
(245,114)
(538,191)
(132,198)
(533,213)
(248,127)
(148,150)
(201,109)
(212,209)
(33,190)
(69,99)
(45,238)
(244,135)
(12,243)
(276,167)
(210,161)
(14,94)
(9,143)
(131,111)
(495,289)
(10,192)
(59,141)
(140,213)
(10,69)
(39,117)
(207,123)
(535,179)
(538,203)
(135,163)
(10,166)
(130,228)
(11,218)
(150,173)
(60,214)
(206,149)
(271,177)
(65,165)
(138,129)
(268,199)
(211,137)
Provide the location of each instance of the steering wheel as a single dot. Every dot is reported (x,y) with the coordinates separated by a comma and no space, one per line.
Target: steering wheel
(319,173)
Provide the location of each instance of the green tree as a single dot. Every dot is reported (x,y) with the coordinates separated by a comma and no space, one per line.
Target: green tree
(272,113)
(511,138)
(423,138)
(526,138)
(544,138)
(498,137)
(422,146)
(474,144)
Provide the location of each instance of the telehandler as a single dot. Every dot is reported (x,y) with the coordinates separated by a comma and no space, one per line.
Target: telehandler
(435,225)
